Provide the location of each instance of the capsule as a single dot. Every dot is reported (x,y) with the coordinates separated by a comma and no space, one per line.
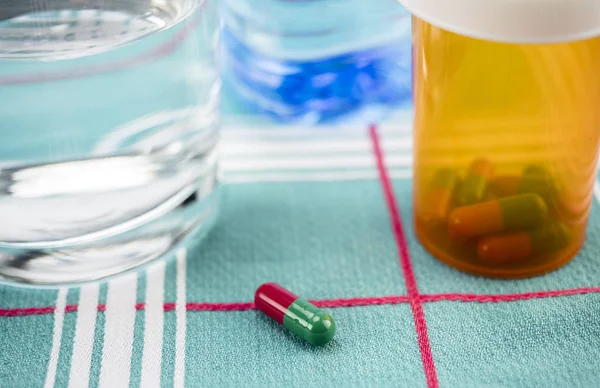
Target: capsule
(475,187)
(505,185)
(525,211)
(439,198)
(296,314)
(537,180)
(518,246)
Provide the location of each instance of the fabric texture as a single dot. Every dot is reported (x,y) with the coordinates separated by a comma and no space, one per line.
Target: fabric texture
(317,219)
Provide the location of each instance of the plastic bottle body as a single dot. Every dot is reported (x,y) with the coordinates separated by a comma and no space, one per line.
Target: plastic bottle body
(312,61)
(502,120)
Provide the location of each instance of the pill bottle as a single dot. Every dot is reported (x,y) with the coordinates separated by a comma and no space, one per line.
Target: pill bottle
(506,131)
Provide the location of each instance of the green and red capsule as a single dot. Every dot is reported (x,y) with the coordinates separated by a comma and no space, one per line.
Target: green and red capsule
(296,314)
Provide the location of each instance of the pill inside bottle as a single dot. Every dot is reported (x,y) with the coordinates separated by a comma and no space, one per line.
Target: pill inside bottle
(506,131)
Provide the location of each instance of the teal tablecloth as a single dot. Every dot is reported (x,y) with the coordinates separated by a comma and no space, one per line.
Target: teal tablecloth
(325,212)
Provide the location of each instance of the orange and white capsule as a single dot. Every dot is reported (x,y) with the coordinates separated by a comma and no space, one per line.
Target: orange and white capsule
(526,211)
(505,185)
(475,187)
(518,246)
(438,202)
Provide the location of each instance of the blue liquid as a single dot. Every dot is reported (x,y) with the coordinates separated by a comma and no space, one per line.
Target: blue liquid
(322,89)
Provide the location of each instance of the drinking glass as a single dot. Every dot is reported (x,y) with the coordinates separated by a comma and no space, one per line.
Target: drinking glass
(108,132)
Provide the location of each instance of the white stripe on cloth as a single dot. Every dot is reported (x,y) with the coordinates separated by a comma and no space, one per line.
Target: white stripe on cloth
(83,343)
(153,325)
(59,316)
(180,317)
(310,147)
(118,332)
(325,176)
(240,129)
(316,163)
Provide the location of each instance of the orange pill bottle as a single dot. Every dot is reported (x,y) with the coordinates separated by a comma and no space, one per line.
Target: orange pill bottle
(506,131)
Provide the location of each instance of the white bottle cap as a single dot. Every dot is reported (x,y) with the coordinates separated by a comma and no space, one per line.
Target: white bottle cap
(515,21)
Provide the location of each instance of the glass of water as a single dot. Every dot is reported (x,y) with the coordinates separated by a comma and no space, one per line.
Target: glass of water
(108,133)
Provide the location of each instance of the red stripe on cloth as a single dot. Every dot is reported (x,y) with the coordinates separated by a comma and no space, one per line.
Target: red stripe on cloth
(71,308)
(405,262)
(169,306)
(498,298)
(21,311)
(26,311)
(219,306)
(354,302)
(335,303)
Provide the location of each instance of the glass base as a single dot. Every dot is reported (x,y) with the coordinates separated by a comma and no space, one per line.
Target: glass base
(102,259)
